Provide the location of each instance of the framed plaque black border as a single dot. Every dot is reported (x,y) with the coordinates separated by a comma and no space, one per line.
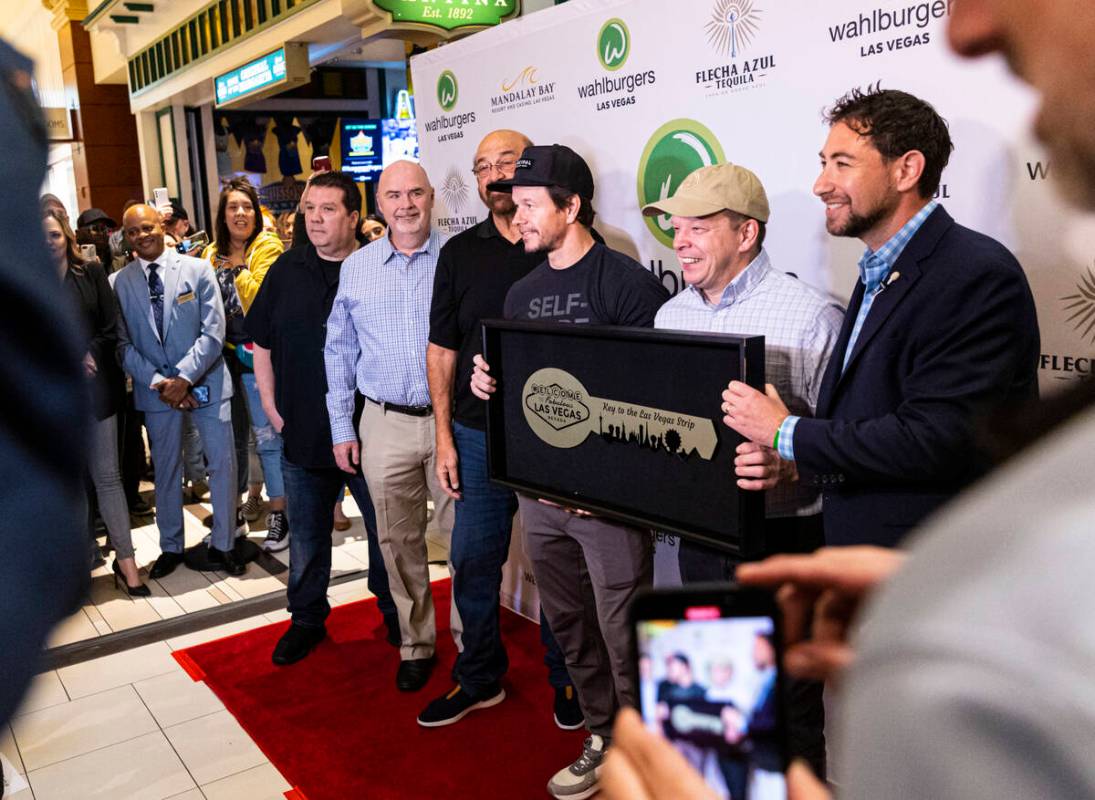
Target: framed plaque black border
(743,537)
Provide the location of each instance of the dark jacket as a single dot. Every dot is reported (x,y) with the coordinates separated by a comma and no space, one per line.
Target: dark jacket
(99,314)
(953,338)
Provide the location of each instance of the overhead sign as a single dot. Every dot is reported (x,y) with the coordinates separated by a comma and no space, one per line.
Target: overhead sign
(269,74)
(59,124)
(449,15)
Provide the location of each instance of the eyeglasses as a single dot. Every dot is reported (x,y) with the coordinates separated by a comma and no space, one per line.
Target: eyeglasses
(504,167)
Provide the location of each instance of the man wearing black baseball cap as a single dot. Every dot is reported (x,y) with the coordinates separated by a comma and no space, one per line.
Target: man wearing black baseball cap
(96,217)
(582,281)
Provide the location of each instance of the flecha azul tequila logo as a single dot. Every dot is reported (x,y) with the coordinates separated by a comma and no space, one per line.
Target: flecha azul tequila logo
(526,89)
(674,151)
(455,193)
(733,24)
(1081,307)
(449,126)
(730,30)
(563,414)
(890,30)
(614,91)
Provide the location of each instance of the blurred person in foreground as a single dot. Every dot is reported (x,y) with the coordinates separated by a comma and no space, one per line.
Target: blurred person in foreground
(43,424)
(968,674)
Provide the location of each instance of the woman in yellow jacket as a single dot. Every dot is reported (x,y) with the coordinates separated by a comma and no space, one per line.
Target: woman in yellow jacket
(242,253)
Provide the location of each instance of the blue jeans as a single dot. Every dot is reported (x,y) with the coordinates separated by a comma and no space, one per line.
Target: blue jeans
(478,550)
(267,440)
(310,501)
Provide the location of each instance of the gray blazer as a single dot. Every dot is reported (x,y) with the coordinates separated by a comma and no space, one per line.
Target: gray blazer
(194,328)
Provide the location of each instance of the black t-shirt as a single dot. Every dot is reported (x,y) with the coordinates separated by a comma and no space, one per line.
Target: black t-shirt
(289,318)
(475,270)
(604,287)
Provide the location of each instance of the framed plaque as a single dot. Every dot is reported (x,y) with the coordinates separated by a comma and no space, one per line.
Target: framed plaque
(624,423)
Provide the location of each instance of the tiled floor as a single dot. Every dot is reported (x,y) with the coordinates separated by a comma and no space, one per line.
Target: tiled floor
(134,726)
(185,591)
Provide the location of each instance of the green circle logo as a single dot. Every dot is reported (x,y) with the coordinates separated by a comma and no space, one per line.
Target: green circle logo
(613,44)
(447,91)
(677,149)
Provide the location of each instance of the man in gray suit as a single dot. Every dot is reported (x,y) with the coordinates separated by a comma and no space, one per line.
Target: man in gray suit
(171,331)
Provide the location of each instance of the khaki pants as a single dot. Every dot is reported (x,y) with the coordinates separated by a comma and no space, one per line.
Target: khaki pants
(398,460)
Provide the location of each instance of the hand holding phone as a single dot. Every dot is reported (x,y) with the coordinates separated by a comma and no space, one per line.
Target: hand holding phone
(161,200)
(321,164)
(707,660)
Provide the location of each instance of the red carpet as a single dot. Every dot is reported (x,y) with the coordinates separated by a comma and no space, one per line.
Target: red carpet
(337,728)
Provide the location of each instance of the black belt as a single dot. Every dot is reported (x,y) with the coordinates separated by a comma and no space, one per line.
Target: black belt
(410,411)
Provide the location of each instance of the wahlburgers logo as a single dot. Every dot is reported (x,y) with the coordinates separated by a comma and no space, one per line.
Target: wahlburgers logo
(613,44)
(677,149)
(447,91)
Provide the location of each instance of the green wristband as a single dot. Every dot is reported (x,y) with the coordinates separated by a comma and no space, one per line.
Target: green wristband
(775,442)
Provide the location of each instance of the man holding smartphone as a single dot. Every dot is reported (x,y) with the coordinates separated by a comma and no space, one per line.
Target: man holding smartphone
(170,333)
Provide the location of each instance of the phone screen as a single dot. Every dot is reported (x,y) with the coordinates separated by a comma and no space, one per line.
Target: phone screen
(708,683)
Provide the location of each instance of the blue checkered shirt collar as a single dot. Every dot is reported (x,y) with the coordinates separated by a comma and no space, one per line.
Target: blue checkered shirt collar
(432,245)
(746,281)
(875,266)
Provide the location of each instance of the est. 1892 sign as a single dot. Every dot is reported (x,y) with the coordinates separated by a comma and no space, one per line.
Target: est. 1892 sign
(449,14)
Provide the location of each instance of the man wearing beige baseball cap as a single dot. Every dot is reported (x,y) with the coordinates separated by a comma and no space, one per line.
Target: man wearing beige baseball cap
(720,216)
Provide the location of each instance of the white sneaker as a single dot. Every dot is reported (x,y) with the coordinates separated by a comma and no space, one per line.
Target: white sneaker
(579,780)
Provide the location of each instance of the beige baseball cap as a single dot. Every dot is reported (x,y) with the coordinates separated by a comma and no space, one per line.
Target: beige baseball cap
(709,190)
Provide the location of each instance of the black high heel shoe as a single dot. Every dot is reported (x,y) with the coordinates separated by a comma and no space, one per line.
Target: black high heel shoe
(141,590)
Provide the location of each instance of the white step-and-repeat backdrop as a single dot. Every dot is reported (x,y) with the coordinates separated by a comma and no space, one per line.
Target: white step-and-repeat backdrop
(648,90)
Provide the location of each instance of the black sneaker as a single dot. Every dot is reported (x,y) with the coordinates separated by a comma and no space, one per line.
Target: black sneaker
(296,643)
(456,705)
(277,532)
(568,714)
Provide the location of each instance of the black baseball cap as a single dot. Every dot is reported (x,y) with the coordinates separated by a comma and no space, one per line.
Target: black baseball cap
(549,165)
(93,215)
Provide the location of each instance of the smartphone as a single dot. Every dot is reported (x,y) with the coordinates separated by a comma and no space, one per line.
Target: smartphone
(707,668)
(321,164)
(201,394)
(160,199)
(87,252)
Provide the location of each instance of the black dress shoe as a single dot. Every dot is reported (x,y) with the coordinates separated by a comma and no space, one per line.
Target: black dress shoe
(165,565)
(296,643)
(227,561)
(413,674)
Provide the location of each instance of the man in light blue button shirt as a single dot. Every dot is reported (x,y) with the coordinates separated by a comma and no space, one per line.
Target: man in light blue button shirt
(376,343)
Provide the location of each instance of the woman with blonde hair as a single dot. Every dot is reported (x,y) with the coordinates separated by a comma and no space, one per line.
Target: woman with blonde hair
(241,253)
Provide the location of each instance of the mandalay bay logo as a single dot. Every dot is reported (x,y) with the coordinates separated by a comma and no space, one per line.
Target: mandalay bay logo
(447,91)
(732,25)
(613,44)
(674,151)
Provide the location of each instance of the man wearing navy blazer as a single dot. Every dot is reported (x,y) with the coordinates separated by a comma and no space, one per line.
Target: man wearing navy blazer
(170,336)
(940,332)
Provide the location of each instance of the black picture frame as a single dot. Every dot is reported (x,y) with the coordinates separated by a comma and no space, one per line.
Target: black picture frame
(624,471)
